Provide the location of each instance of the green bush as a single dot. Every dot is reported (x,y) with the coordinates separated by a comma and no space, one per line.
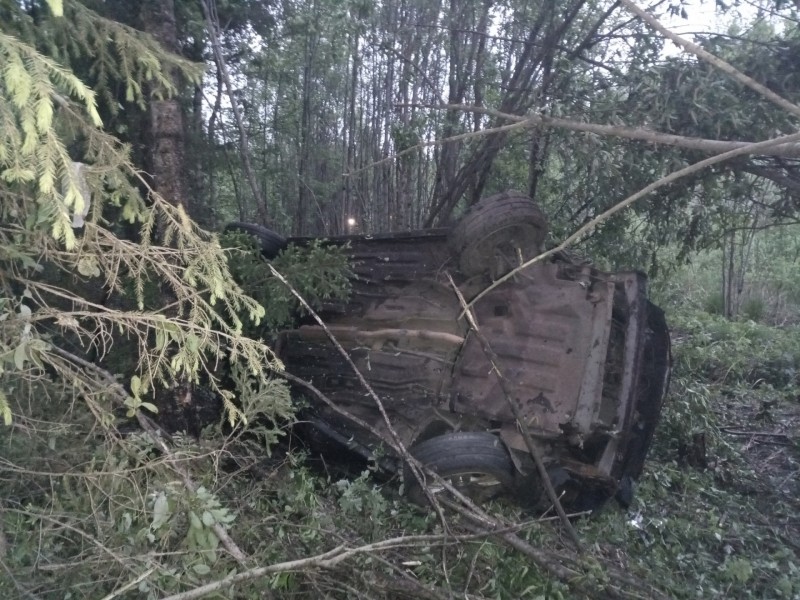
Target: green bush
(714,304)
(319,272)
(722,351)
(753,308)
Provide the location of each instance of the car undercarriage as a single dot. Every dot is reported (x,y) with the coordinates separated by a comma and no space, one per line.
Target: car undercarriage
(583,353)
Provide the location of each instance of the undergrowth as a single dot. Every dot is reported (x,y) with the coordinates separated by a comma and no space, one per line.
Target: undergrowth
(715,514)
(85,511)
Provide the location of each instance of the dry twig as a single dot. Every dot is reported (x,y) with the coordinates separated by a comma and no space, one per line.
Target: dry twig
(115,389)
(523,427)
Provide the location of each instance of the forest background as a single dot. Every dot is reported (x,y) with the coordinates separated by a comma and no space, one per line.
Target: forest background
(130,132)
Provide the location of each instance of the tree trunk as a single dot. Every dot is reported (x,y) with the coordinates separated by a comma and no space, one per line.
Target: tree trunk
(167,156)
(305,140)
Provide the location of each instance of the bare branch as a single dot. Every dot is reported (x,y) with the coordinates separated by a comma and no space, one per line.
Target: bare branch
(329,559)
(632,133)
(723,66)
(675,175)
(131,584)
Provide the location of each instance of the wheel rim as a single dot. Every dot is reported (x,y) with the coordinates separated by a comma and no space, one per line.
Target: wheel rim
(476,485)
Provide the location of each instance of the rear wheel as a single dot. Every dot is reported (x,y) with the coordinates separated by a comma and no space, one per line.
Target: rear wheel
(477,464)
(497,233)
(271,243)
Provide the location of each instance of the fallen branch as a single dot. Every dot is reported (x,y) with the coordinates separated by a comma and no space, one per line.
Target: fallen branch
(118,392)
(761,437)
(327,560)
(523,427)
(675,175)
(130,585)
(734,431)
(642,134)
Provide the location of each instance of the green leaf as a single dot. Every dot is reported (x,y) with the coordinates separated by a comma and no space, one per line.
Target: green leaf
(88,266)
(192,343)
(160,511)
(57,7)
(201,569)
(161,339)
(20,354)
(739,569)
(5,409)
(136,385)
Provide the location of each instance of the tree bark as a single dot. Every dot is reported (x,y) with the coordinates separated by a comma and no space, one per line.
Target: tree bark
(167,156)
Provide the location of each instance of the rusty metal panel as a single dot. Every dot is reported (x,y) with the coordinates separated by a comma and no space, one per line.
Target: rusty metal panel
(633,289)
(542,330)
(586,412)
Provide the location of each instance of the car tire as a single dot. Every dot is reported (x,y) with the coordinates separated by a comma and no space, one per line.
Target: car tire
(490,237)
(271,243)
(475,463)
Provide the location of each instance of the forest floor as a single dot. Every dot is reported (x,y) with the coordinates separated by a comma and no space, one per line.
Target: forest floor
(717,513)
(766,436)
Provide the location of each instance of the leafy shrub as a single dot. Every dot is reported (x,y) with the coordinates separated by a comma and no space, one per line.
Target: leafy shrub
(753,308)
(714,304)
(319,272)
(722,351)
(698,539)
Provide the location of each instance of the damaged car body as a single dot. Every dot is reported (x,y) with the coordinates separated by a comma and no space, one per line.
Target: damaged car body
(584,353)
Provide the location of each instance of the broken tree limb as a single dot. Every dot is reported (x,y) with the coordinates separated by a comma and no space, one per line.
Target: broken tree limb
(523,427)
(675,175)
(642,134)
(720,64)
(118,392)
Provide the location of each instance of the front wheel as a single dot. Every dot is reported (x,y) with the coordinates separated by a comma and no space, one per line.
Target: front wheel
(477,464)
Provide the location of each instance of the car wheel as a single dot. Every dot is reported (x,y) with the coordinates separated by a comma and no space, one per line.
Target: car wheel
(271,243)
(476,463)
(497,232)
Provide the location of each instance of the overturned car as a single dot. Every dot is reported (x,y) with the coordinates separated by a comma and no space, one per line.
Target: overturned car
(584,353)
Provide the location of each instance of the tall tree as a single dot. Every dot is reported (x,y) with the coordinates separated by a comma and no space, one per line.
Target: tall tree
(167,124)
